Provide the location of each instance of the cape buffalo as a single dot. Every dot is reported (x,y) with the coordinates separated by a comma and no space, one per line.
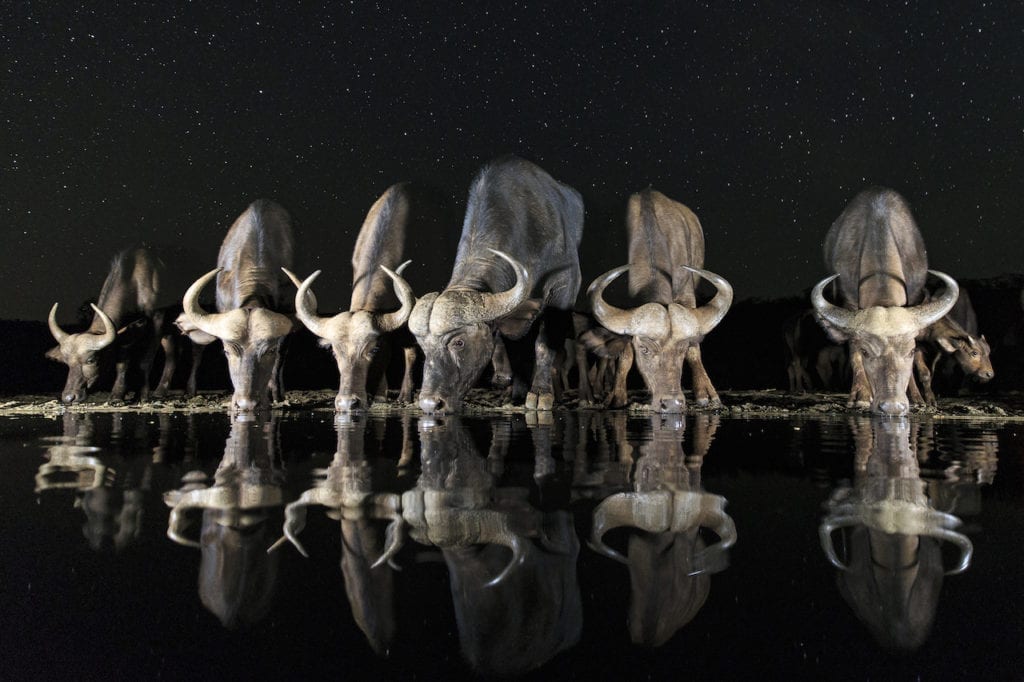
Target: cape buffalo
(357,336)
(517,263)
(666,251)
(126,315)
(250,318)
(876,250)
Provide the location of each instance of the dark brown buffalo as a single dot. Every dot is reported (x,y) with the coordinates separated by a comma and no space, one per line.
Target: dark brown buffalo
(516,270)
(359,337)
(876,250)
(892,572)
(666,254)
(251,318)
(126,317)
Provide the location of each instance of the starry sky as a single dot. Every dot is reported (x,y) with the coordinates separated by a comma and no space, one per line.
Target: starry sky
(159,122)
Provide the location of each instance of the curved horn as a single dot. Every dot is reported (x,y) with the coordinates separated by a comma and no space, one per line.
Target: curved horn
(615,511)
(388,322)
(650,318)
(305,308)
(176,526)
(204,321)
(514,543)
(394,538)
(840,318)
(59,334)
(825,530)
(713,558)
(934,310)
(294,522)
(961,541)
(483,307)
(310,298)
(712,312)
(101,341)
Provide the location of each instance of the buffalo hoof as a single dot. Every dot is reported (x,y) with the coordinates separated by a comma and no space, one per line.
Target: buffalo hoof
(542,401)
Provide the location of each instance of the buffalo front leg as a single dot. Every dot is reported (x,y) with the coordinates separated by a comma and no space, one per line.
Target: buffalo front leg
(860,392)
(585,392)
(618,396)
(170,363)
(541,395)
(405,394)
(924,375)
(196,359)
(704,393)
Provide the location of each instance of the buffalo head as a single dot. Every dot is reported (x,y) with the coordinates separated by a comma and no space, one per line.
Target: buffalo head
(972,354)
(661,334)
(81,353)
(252,338)
(884,338)
(354,336)
(456,331)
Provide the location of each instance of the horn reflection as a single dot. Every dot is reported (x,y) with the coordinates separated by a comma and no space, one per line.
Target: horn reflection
(110,488)
(670,561)
(892,569)
(236,574)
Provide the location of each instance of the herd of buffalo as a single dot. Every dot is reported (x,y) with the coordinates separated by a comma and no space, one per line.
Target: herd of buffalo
(510,304)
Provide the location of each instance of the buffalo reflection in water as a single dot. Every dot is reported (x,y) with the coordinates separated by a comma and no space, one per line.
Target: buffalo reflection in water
(236,573)
(346,491)
(110,489)
(515,613)
(669,561)
(893,568)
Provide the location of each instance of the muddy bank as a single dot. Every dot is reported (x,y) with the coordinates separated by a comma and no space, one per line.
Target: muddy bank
(485,401)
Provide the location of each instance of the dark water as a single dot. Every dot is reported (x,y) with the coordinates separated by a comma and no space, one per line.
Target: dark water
(468,546)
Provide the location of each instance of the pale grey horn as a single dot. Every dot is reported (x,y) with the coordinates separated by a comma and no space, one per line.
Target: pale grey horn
(305,307)
(932,311)
(711,313)
(388,322)
(651,318)
(840,318)
(101,341)
(206,322)
(59,334)
(491,306)
(825,530)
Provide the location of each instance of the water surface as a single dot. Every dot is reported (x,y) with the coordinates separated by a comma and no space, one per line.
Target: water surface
(589,543)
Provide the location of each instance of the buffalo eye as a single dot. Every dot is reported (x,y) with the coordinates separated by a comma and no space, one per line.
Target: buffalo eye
(90,361)
(644,350)
(373,350)
(457,343)
(974,353)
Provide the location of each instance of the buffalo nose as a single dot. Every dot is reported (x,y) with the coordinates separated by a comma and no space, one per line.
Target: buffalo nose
(431,404)
(671,404)
(347,403)
(245,404)
(893,407)
(986,375)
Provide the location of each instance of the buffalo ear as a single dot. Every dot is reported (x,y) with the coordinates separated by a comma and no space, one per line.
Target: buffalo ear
(54,354)
(517,323)
(945,344)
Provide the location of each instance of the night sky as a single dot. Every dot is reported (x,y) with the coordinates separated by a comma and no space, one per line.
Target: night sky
(159,123)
